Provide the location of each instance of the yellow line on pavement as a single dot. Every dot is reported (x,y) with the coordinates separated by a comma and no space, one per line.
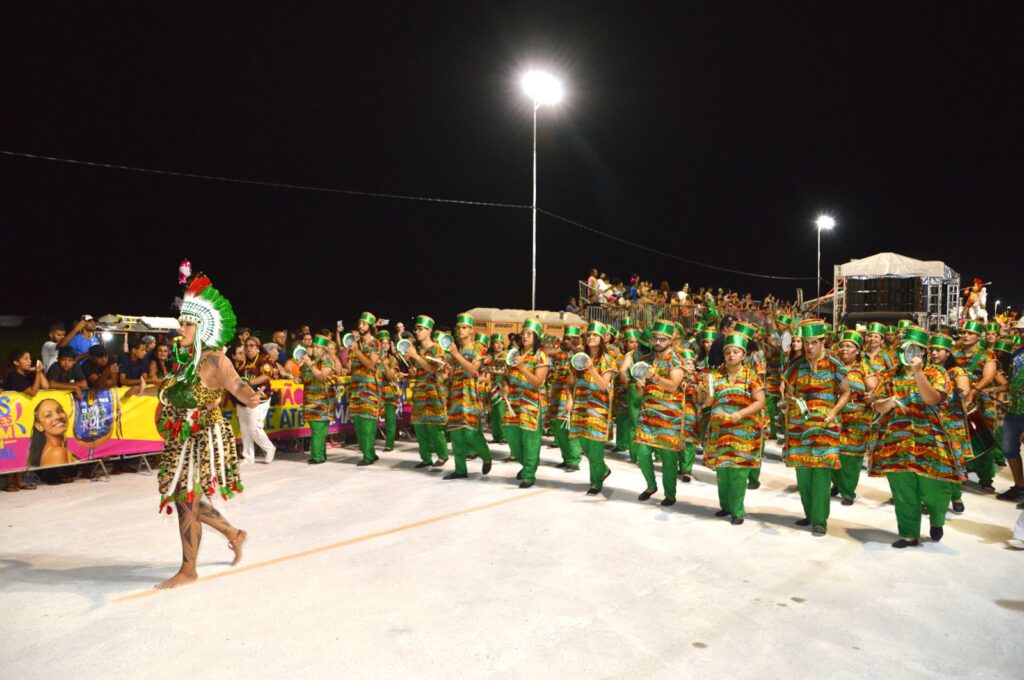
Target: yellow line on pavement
(339,544)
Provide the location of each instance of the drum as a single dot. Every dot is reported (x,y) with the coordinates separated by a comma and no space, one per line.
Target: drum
(347,340)
(403,345)
(511,356)
(579,361)
(982,439)
(640,370)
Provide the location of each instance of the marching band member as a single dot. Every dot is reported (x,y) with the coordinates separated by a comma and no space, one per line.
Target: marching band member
(388,378)
(880,360)
(953,411)
(464,411)
(980,365)
(659,425)
(625,402)
(754,360)
(429,412)
(483,379)
(735,396)
(591,403)
(691,430)
(914,453)
(856,417)
(363,390)
(494,366)
(316,371)
(560,400)
(816,391)
(525,385)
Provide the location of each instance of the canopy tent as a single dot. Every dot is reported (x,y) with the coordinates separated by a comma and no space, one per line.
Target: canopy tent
(893,264)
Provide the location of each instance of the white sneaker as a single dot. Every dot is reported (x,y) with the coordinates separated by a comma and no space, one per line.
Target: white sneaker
(270,456)
(246,460)
(1015,543)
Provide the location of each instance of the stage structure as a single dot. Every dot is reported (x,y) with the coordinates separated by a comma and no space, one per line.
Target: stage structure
(889,286)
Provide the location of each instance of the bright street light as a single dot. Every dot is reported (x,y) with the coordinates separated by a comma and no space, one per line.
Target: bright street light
(997,307)
(545,90)
(823,222)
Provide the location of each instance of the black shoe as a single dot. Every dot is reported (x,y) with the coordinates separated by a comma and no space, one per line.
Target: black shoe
(1014,493)
(819,531)
(607,472)
(686,478)
(721,513)
(562,465)
(847,501)
(387,450)
(525,485)
(592,491)
(422,464)
(754,485)
(439,462)
(1001,463)
(646,494)
(572,468)
(487,467)
(364,462)
(736,521)
(668,501)
(958,507)
(519,475)
(904,543)
(834,492)
(455,475)
(803,522)
(935,533)
(987,486)
(375,458)
(317,462)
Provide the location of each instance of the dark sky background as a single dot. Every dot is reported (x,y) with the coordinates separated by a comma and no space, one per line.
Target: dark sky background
(714,130)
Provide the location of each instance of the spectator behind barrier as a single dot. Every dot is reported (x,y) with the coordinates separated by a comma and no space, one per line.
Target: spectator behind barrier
(99,371)
(133,365)
(66,374)
(50,347)
(81,338)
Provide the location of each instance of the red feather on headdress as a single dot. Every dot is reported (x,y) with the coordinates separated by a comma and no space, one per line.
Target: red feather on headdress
(198,285)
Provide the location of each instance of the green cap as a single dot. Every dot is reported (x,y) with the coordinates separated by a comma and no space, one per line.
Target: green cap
(383,335)
(612,332)
(632,334)
(662,327)
(746,329)
(625,323)
(369,318)
(464,320)
(875,327)
(434,335)
(320,341)
(993,326)
(645,337)
(904,323)
(687,354)
(972,326)
(425,321)
(940,341)
(572,331)
(497,337)
(915,335)
(597,327)
(482,339)
(785,319)
(1015,339)
(736,340)
(813,328)
(852,336)
(533,325)
(1002,346)
(698,327)
(709,334)
(892,329)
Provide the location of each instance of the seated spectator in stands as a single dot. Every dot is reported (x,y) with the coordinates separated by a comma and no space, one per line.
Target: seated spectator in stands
(99,370)
(22,376)
(81,338)
(66,374)
(280,338)
(159,364)
(243,334)
(571,306)
(133,365)
(50,348)
(273,353)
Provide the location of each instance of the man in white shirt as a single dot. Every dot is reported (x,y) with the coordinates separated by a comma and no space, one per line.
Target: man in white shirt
(49,351)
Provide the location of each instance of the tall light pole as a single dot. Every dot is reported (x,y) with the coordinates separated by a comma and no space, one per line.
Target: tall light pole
(997,308)
(543,88)
(823,222)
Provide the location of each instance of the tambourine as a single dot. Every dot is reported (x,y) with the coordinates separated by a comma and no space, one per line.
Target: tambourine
(640,370)
(511,356)
(403,346)
(445,341)
(910,351)
(348,340)
(579,361)
(299,352)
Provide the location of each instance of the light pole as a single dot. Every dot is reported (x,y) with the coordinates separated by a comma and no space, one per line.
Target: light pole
(543,88)
(997,308)
(823,222)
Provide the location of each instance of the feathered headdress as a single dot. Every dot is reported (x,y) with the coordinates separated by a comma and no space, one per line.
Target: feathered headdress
(211,312)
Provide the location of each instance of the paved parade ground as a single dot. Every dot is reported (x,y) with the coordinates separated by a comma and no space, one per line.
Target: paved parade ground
(388,571)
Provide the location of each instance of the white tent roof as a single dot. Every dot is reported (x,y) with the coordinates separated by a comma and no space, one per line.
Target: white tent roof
(892,264)
(521,315)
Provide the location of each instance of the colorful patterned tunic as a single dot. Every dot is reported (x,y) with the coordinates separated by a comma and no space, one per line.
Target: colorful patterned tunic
(363,391)
(560,381)
(810,441)
(660,422)
(316,397)
(691,427)
(388,390)
(733,444)
(856,416)
(428,407)
(954,418)
(527,401)
(882,363)
(913,438)
(591,404)
(773,370)
(463,398)
(974,363)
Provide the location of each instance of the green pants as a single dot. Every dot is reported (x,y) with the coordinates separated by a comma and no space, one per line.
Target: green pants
(732,489)
(366,433)
(594,451)
(686,458)
(772,402)
(669,468)
(497,417)
(570,448)
(909,492)
(467,442)
(623,431)
(754,475)
(318,439)
(984,466)
(430,439)
(847,476)
(390,425)
(525,445)
(997,452)
(815,485)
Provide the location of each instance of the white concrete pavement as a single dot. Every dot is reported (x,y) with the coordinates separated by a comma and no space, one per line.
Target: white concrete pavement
(389,571)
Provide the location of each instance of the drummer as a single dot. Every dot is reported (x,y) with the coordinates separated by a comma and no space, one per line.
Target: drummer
(980,365)
(591,403)
(561,385)
(622,411)
(816,392)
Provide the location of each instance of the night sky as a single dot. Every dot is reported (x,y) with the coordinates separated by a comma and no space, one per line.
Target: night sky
(716,131)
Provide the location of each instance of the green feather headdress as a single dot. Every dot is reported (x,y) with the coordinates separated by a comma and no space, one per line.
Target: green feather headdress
(211,312)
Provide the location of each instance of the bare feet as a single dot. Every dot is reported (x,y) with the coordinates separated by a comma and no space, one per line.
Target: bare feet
(236,544)
(179,579)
